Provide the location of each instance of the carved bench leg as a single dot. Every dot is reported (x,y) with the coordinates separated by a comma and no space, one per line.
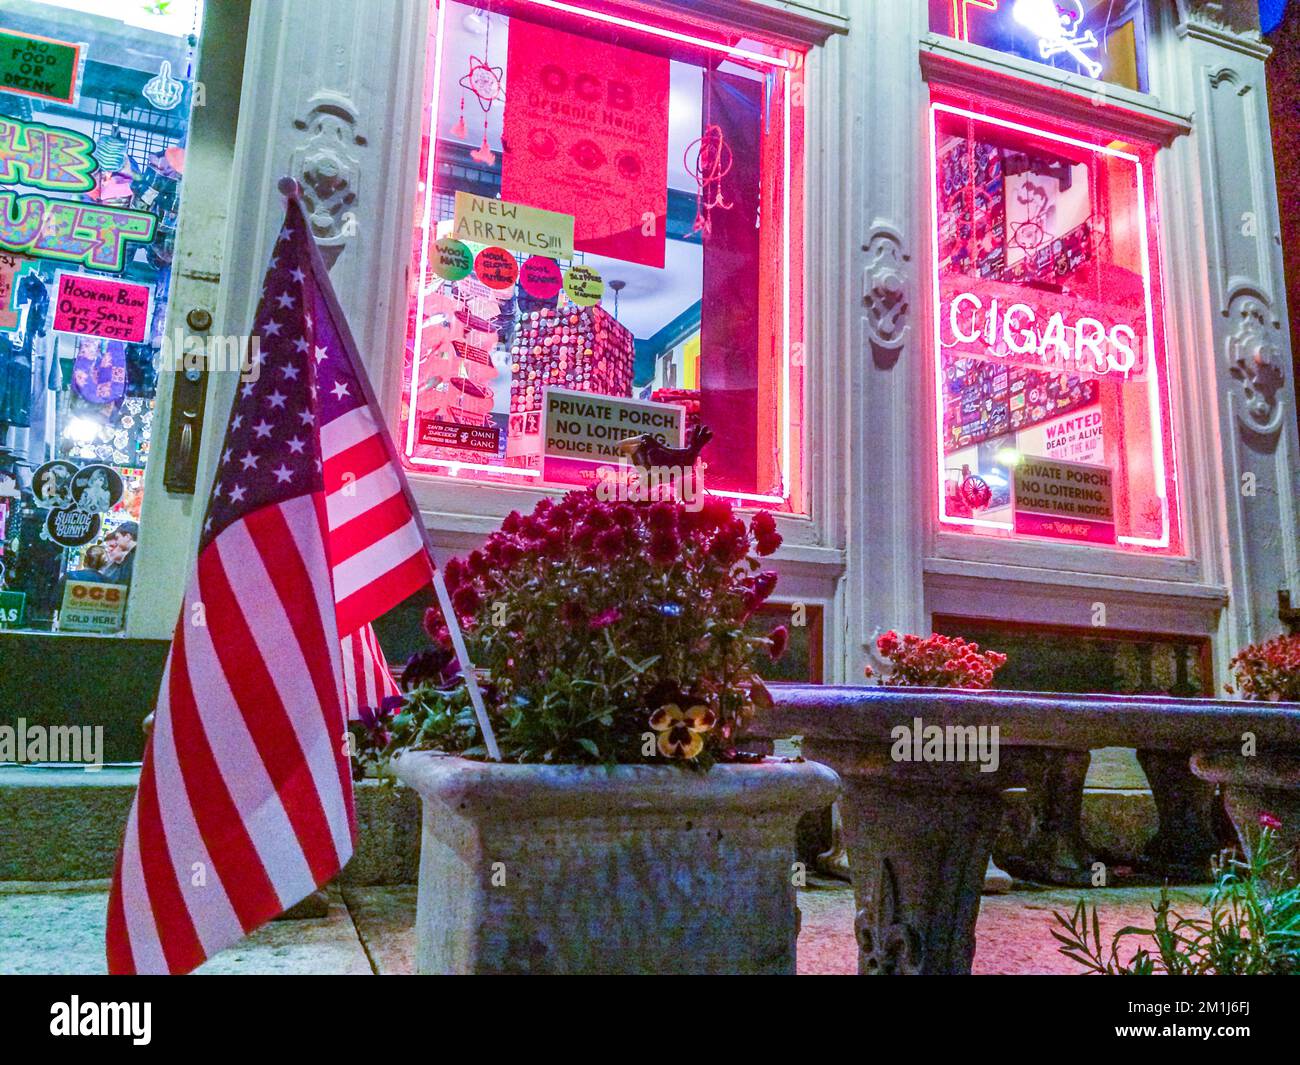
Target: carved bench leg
(1184,843)
(919,837)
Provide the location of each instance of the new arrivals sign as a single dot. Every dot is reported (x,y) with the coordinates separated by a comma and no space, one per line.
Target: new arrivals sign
(516,226)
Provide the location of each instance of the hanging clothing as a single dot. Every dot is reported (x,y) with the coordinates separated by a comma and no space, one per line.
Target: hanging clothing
(15,381)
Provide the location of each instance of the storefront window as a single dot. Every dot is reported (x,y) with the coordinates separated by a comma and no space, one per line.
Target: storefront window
(95,99)
(1103,39)
(1050,373)
(606,228)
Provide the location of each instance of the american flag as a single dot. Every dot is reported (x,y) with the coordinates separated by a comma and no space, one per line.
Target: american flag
(245,798)
(367,680)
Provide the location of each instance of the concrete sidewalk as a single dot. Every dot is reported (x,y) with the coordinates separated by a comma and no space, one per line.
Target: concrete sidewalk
(47,928)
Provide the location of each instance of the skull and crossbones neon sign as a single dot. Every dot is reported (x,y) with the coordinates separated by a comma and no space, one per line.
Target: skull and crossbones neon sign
(1056,23)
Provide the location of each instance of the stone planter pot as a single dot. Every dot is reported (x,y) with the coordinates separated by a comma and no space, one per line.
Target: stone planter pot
(1262,783)
(584,869)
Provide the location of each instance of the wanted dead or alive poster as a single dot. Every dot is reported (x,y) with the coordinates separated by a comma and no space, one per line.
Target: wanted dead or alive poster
(587,127)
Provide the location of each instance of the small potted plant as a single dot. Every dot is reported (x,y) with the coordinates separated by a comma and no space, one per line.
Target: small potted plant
(625,829)
(1268,671)
(936,661)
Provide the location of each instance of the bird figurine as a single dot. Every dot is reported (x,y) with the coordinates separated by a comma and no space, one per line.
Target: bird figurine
(646,451)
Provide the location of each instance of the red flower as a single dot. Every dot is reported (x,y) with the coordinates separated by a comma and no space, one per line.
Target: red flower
(554,543)
(1269,820)
(761,585)
(509,554)
(584,536)
(512,522)
(477,564)
(888,643)
(433,623)
(606,618)
(533,528)
(766,538)
(610,544)
(466,601)
(598,518)
(763,524)
(453,572)
(665,548)
(713,514)
(662,517)
(780,637)
(624,516)
(436,627)
(731,543)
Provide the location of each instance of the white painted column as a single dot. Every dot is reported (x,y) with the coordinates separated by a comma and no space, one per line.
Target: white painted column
(886,446)
(1220,200)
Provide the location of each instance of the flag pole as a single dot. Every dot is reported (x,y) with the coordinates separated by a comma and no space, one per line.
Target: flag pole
(289,188)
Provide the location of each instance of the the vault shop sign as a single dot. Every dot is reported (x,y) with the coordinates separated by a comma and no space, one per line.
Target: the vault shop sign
(60,161)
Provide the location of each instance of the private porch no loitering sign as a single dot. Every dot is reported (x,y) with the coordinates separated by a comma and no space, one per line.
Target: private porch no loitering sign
(583,430)
(39,66)
(1064,500)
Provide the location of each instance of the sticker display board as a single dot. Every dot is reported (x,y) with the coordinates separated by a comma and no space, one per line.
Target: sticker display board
(582,431)
(94,133)
(1064,500)
(587,123)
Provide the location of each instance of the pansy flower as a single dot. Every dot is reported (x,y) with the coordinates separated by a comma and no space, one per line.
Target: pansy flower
(681,732)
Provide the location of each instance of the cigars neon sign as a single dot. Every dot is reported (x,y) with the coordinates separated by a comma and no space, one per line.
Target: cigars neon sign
(1040,337)
(68,231)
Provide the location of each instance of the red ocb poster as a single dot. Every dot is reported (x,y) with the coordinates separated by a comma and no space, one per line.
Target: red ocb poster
(586,126)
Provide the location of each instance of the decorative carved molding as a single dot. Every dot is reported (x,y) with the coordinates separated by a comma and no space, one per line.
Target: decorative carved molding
(1230,24)
(328,167)
(889,946)
(973,72)
(1255,363)
(1221,76)
(884,288)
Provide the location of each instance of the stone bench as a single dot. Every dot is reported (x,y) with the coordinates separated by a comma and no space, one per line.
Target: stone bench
(919,833)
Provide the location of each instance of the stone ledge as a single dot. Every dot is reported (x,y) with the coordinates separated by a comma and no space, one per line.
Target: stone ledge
(66,825)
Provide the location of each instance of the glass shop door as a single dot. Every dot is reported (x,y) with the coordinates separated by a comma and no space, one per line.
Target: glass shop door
(104,116)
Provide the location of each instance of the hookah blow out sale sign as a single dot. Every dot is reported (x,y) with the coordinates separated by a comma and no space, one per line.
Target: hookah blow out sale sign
(587,125)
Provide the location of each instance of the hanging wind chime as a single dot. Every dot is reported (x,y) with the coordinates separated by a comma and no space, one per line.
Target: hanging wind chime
(487,84)
(708,159)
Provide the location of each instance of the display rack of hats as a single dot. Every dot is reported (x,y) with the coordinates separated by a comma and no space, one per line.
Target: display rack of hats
(475,333)
(467,320)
